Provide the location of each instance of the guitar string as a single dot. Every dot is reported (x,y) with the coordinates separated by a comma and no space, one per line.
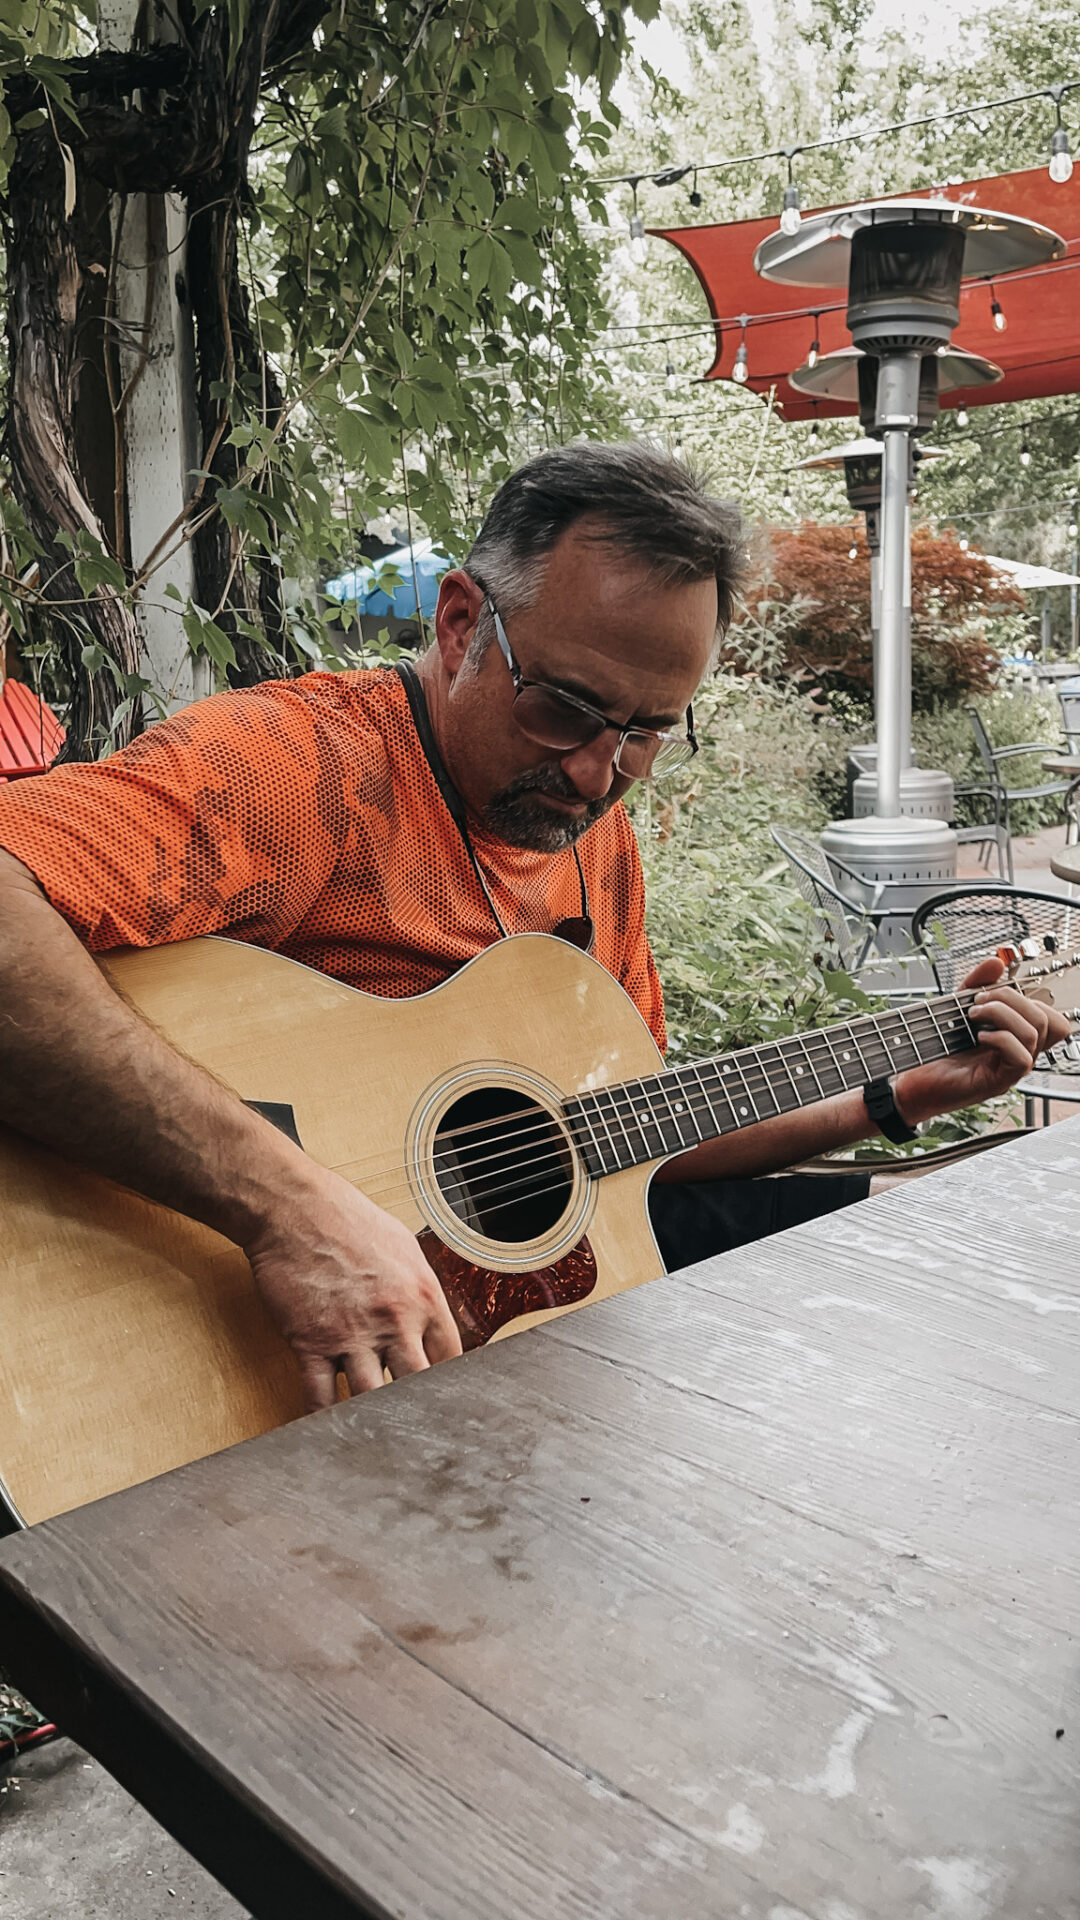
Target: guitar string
(816,1046)
(761,1084)
(690,1105)
(551,1159)
(508,1145)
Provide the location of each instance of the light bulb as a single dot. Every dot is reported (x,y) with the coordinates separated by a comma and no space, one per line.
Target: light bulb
(1025,456)
(787,503)
(741,370)
(695,198)
(961,416)
(1073,530)
(815,429)
(963,543)
(637,238)
(853,553)
(997,316)
(669,374)
(791,218)
(814,354)
(1061,162)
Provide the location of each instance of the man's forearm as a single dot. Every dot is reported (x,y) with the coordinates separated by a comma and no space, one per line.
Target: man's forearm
(83,1074)
(770,1145)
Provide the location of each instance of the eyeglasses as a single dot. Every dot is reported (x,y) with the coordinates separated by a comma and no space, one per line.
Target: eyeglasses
(561,721)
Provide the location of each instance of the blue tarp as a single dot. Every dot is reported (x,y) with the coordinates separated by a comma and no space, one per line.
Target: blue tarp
(373,588)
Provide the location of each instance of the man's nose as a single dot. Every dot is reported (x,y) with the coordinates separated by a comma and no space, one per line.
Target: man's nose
(592,767)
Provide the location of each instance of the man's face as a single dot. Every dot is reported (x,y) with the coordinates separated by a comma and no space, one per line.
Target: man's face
(601,628)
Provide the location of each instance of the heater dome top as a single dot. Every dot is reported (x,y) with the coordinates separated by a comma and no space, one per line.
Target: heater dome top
(832,459)
(819,253)
(835,376)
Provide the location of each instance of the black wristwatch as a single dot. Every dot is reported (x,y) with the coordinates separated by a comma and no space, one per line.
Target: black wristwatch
(885,1114)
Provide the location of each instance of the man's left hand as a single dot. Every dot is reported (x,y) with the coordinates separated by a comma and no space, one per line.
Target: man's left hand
(1013,1031)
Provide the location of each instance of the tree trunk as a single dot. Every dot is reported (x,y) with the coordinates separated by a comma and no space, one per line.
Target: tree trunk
(155,120)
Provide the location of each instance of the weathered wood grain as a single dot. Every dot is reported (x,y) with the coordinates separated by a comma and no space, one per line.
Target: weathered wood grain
(752,1593)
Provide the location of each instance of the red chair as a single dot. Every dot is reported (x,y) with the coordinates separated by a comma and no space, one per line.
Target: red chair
(30,734)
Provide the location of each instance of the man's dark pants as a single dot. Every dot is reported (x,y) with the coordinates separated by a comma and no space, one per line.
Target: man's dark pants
(695,1219)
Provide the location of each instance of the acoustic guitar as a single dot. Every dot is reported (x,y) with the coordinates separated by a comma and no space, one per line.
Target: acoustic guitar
(512,1118)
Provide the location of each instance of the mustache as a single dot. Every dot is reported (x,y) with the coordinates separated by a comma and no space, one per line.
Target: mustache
(549,780)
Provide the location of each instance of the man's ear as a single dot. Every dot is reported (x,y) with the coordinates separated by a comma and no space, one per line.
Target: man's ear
(456,614)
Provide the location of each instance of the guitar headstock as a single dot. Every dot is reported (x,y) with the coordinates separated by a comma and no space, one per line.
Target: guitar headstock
(1037,968)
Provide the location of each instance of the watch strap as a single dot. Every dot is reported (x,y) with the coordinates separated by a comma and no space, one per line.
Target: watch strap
(881,1106)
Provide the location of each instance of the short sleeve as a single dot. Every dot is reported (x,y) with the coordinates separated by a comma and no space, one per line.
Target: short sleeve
(617,893)
(212,821)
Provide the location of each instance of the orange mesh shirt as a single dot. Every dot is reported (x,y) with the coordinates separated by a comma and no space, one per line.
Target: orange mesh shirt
(302,816)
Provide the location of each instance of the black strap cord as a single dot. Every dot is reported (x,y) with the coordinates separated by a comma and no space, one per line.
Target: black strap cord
(578,930)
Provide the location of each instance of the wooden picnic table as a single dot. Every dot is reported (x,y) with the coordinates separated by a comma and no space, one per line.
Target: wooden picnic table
(754,1592)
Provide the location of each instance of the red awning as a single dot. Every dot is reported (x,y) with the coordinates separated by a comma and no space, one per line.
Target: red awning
(30,735)
(1039,350)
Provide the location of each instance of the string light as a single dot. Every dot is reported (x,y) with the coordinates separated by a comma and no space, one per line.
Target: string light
(741,370)
(695,196)
(637,231)
(814,354)
(1074,529)
(996,314)
(961,416)
(791,217)
(1061,163)
(787,502)
(964,543)
(815,429)
(1025,450)
(669,375)
(865,136)
(853,552)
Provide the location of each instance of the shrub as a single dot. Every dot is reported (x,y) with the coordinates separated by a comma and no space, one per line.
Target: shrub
(806,615)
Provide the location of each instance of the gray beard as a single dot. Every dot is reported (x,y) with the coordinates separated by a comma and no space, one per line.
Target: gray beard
(515,817)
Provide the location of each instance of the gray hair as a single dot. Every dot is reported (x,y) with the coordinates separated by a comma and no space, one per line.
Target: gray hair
(644,503)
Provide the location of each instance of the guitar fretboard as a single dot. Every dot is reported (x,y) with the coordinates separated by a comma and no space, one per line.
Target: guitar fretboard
(624,1126)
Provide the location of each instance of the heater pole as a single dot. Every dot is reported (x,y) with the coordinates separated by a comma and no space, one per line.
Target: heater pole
(897,417)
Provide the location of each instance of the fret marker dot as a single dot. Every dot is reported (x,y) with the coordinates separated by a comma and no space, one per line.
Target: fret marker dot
(847,1056)
(744,1109)
(678,1106)
(799,1069)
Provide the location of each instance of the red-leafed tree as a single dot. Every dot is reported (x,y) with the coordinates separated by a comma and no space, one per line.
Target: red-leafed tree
(807,613)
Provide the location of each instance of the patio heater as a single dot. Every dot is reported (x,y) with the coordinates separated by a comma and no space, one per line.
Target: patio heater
(902,262)
(922,791)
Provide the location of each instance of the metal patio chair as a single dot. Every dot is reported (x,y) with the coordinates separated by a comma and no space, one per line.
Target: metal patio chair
(992,758)
(958,928)
(846,913)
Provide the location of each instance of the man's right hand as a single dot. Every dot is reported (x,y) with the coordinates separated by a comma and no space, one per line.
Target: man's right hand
(350,1290)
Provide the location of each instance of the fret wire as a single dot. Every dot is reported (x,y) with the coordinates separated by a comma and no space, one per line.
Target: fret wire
(683,1089)
(751,1067)
(673,1120)
(911,1037)
(837,1069)
(603,1122)
(710,1109)
(676,1111)
(612,1093)
(761,1067)
(636,1096)
(737,1067)
(810,1064)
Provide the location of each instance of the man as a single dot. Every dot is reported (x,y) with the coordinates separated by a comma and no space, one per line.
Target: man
(304,816)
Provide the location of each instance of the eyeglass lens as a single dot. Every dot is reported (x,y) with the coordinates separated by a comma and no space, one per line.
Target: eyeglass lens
(553,722)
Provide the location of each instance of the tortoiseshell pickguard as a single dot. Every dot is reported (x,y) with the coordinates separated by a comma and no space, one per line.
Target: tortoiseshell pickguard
(483,1300)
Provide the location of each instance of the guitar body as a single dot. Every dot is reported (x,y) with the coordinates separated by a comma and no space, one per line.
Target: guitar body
(134,1340)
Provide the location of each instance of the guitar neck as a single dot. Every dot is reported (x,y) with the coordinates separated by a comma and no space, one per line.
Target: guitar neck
(625,1126)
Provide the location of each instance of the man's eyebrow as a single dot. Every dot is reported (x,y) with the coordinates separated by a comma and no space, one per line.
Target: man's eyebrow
(651,723)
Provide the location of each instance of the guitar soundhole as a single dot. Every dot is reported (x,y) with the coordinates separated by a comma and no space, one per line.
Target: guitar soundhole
(503,1164)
